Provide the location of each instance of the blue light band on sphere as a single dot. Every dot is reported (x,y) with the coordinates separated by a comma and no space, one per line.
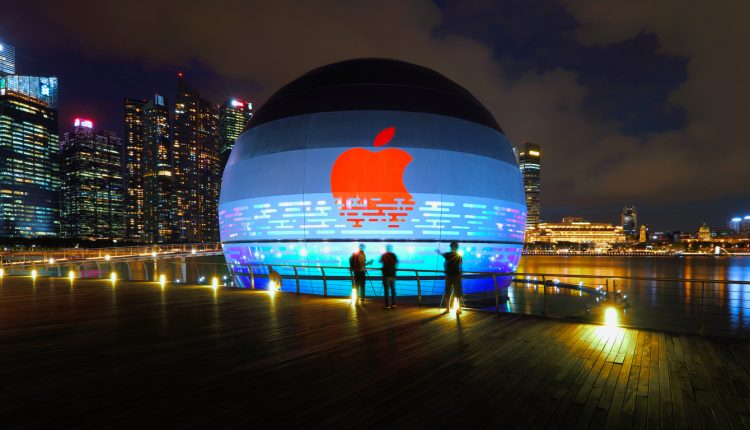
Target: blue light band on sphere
(306,189)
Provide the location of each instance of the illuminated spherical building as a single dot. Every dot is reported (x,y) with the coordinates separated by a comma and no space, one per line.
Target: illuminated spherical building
(378,152)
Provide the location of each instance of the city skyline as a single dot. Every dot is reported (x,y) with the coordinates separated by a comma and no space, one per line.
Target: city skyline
(649,120)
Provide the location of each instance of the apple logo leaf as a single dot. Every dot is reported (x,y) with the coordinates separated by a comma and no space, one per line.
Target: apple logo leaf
(384,136)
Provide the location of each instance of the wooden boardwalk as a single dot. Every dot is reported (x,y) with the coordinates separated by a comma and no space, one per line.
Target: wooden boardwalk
(139,356)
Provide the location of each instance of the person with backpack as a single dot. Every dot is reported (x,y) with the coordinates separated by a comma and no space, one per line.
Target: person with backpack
(357,266)
(453,271)
(389,260)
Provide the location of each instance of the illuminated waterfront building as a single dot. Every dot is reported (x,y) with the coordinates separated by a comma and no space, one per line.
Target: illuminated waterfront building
(643,234)
(704,232)
(576,230)
(233,117)
(529,161)
(185,150)
(29,156)
(7,59)
(209,173)
(158,180)
(133,170)
(629,221)
(92,183)
(371,151)
(734,224)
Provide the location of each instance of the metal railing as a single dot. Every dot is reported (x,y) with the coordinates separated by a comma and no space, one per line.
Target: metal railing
(705,306)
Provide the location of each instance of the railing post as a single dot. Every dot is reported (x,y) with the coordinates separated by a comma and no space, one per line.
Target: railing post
(252,277)
(544,294)
(497,297)
(325,283)
(296,277)
(419,288)
(703,307)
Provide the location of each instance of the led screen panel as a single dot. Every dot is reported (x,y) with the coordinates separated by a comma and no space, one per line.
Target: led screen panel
(305,190)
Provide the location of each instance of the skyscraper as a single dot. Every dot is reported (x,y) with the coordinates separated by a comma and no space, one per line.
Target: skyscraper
(629,218)
(233,117)
(185,149)
(92,183)
(133,170)
(158,180)
(7,59)
(197,166)
(29,155)
(209,173)
(529,161)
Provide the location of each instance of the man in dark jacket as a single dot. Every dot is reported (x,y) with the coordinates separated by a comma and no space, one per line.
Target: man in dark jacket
(389,262)
(453,270)
(357,265)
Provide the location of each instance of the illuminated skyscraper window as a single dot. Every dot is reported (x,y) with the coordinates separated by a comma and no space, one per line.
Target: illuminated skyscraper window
(7,59)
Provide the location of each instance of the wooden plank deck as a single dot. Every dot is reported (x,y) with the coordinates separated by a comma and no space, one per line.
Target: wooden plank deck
(98,356)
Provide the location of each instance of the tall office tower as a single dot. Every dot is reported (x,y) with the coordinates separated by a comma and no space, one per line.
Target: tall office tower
(7,59)
(29,157)
(92,185)
(133,169)
(529,160)
(158,179)
(209,173)
(186,150)
(629,218)
(233,117)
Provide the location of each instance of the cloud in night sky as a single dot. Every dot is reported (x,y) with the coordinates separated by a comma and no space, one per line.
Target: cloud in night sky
(595,157)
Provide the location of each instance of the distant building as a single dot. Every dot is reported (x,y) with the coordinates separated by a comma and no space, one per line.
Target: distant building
(29,154)
(197,166)
(576,230)
(643,234)
(233,117)
(92,184)
(734,224)
(529,161)
(158,179)
(209,173)
(704,233)
(741,225)
(7,59)
(133,170)
(629,221)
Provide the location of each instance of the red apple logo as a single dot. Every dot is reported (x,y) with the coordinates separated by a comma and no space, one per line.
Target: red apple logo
(369,186)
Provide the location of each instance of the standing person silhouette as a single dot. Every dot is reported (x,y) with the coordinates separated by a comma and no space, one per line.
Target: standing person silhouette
(389,260)
(453,270)
(357,265)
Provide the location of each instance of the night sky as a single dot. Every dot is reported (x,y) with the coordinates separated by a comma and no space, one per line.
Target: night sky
(634,102)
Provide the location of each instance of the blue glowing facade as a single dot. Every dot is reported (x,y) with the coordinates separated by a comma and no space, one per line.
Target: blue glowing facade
(306,189)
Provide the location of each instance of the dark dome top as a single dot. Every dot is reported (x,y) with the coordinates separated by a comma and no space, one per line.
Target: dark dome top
(373,84)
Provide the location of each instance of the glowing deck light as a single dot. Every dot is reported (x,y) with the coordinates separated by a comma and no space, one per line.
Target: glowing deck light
(214,282)
(106,257)
(162,280)
(71,275)
(33,274)
(2,273)
(354,295)
(113,277)
(610,317)
(51,260)
(153,254)
(272,288)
